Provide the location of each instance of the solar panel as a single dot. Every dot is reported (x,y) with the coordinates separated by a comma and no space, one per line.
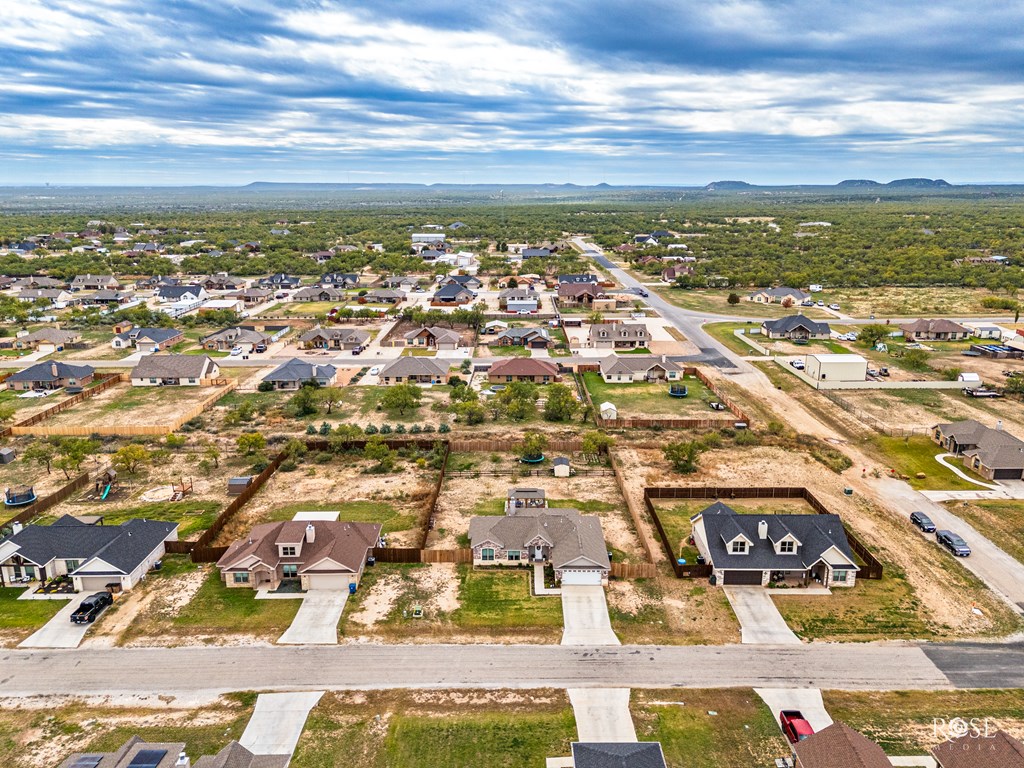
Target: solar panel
(86,761)
(147,758)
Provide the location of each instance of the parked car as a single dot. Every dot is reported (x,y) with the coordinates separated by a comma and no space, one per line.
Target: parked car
(798,364)
(980,392)
(953,542)
(643,293)
(91,607)
(375,370)
(821,303)
(260,348)
(833,307)
(357,349)
(236,351)
(922,521)
(794,725)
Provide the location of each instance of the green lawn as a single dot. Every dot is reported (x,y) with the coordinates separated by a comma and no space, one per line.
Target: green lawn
(741,732)
(399,730)
(501,598)
(215,609)
(912,455)
(643,399)
(193,517)
(22,617)
(497,350)
(1002,521)
(902,722)
(381,512)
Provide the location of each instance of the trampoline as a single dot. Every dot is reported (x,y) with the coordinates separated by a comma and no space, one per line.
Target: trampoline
(19,495)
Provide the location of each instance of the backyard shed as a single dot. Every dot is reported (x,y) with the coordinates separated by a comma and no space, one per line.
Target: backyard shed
(968,376)
(237,485)
(7,455)
(609,411)
(561,467)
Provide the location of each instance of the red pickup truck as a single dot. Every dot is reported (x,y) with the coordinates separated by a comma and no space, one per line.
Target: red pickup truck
(794,725)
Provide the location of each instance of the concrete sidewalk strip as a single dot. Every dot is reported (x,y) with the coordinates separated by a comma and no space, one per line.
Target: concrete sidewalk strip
(277,722)
(585,616)
(807,700)
(59,632)
(759,617)
(602,714)
(316,622)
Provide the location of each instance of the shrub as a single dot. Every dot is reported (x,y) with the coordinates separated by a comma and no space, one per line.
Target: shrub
(371,430)
(746,437)
(310,429)
(261,463)
(444,429)
(428,428)
(415,429)
(265,386)
(385,429)
(323,457)
(400,429)
(288,465)
(325,428)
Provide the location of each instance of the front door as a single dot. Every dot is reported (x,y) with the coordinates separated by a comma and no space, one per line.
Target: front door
(538,552)
(289,571)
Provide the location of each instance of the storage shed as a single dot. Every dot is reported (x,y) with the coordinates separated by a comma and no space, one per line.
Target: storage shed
(836,367)
(609,411)
(237,485)
(561,467)
(7,455)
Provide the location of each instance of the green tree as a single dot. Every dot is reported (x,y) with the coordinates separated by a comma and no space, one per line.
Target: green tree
(304,402)
(377,450)
(41,453)
(131,457)
(561,403)
(595,442)
(533,445)
(251,442)
(329,397)
(595,318)
(212,454)
(733,298)
(401,398)
(872,334)
(73,451)
(471,413)
(683,455)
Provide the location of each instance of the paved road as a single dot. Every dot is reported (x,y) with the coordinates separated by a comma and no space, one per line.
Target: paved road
(759,617)
(212,671)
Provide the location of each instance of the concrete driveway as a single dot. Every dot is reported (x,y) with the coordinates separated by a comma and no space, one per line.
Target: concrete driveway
(759,617)
(59,632)
(316,623)
(602,714)
(807,700)
(585,616)
(277,722)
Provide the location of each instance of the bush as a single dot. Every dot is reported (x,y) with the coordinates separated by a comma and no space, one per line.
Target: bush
(265,386)
(277,439)
(415,429)
(288,465)
(776,428)
(385,429)
(261,463)
(400,429)
(444,429)
(310,429)
(193,425)
(428,428)
(746,437)
(324,457)
(371,430)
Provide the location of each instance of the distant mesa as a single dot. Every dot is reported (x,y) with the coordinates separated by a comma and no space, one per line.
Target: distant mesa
(719,186)
(919,183)
(858,183)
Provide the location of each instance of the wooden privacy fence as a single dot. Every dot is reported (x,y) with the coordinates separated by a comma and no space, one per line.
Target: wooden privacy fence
(514,472)
(631,505)
(41,505)
(413,555)
(634,570)
(871,568)
(503,446)
(107,380)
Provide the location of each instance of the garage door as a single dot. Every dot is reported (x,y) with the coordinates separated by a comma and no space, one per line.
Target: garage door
(588,577)
(1006,474)
(742,577)
(97,583)
(336,581)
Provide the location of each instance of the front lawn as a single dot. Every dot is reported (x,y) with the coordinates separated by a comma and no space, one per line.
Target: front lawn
(642,399)
(1002,521)
(915,455)
(502,351)
(215,609)
(500,597)
(20,618)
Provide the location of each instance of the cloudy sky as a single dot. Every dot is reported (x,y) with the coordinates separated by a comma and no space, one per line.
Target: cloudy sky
(584,91)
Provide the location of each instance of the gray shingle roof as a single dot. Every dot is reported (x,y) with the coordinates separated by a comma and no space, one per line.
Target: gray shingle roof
(816,534)
(155,335)
(572,536)
(792,322)
(172,367)
(996,449)
(451,291)
(52,371)
(344,335)
(301,370)
(631,364)
(643,754)
(413,366)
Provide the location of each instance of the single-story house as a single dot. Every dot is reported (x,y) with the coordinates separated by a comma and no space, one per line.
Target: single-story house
(622,369)
(252,296)
(795,327)
(751,549)
(44,338)
(984,750)
(414,370)
(992,453)
(136,753)
(173,370)
(280,280)
(627,754)
(828,367)
(532,338)
(246,338)
(295,372)
(224,283)
(319,554)
(92,555)
(452,294)
(839,745)
(37,282)
(778,295)
(518,300)
(572,543)
(535,253)
(435,337)
(618,336)
(669,274)
(51,375)
(523,369)
(469,282)
(935,330)
(403,283)
(314,293)
(147,338)
(577,279)
(339,280)
(579,294)
(385,296)
(334,338)
(182,293)
(107,296)
(94,282)
(53,295)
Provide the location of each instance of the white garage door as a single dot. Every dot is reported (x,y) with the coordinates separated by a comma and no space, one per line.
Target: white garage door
(336,581)
(92,584)
(588,577)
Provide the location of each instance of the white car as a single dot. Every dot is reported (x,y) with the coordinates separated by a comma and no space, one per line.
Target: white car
(821,303)
(236,351)
(798,364)
(833,306)
(375,370)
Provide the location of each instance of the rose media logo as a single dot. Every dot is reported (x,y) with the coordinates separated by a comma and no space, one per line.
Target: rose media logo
(958,727)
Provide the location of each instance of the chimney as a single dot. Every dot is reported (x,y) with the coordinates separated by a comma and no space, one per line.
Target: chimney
(999,425)
(310,533)
(762,530)
(16,527)
(53,369)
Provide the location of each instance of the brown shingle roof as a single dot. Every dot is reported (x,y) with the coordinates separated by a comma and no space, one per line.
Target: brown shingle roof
(933,326)
(345,543)
(523,366)
(839,746)
(998,750)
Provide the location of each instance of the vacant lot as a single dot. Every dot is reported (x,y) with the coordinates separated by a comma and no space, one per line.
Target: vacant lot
(903,722)
(911,302)
(923,409)
(397,499)
(708,728)
(1002,521)
(133,406)
(42,733)
(670,611)
(642,399)
(715,301)
(411,729)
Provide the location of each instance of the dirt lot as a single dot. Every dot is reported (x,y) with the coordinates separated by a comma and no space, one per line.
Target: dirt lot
(397,499)
(911,302)
(917,409)
(934,595)
(465,497)
(126,406)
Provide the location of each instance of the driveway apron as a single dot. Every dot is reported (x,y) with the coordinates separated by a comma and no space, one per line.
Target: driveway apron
(316,622)
(759,617)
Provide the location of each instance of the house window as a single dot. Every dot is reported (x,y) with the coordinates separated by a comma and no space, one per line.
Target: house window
(514,555)
(289,571)
(839,576)
(739,547)
(487,555)
(152,381)
(287,551)
(241,578)
(787,547)
(72,565)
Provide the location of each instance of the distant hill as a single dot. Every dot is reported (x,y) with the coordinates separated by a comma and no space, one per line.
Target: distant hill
(724,186)
(919,183)
(858,183)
